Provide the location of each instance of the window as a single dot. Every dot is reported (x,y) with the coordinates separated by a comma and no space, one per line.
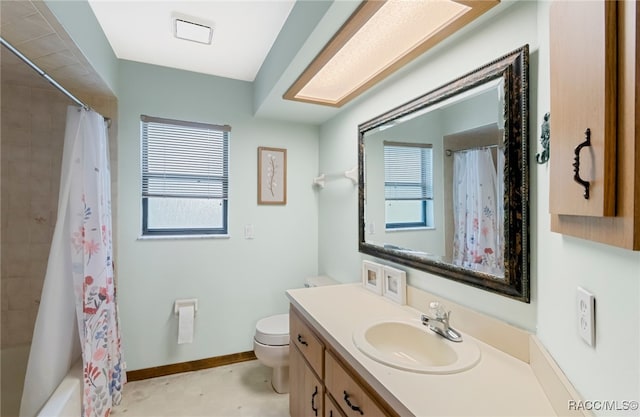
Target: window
(408,185)
(185,177)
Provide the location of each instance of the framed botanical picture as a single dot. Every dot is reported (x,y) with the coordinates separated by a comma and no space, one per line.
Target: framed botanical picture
(272,175)
(394,284)
(372,276)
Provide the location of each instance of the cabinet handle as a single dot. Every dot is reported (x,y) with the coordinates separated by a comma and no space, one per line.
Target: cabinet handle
(313,401)
(353,407)
(576,163)
(301,340)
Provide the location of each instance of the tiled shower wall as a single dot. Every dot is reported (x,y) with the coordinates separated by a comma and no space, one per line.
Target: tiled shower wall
(33,123)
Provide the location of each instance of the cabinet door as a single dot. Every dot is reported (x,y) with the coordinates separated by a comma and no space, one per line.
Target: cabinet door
(330,408)
(583,60)
(306,393)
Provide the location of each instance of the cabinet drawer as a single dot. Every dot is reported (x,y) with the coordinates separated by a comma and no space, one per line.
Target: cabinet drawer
(350,396)
(330,408)
(304,338)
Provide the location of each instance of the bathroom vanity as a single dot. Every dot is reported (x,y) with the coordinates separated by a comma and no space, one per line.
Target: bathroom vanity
(330,376)
(319,380)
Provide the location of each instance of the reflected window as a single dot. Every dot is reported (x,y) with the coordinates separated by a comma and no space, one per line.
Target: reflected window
(185,177)
(408,185)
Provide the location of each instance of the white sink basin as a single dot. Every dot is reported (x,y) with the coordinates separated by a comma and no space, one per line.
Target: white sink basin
(411,346)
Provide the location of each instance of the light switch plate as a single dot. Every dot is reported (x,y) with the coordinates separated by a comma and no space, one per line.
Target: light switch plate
(249,232)
(586,316)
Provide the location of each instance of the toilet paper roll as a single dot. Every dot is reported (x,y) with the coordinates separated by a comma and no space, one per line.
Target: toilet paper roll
(185,324)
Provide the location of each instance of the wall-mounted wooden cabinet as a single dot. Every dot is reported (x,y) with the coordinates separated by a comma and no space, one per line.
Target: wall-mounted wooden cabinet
(594,89)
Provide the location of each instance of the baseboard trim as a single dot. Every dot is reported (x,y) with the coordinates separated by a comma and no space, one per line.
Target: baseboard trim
(196,365)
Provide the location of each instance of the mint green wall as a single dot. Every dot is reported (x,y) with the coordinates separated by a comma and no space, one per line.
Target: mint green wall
(81,24)
(236,281)
(303,18)
(558,264)
(423,129)
(611,370)
(338,148)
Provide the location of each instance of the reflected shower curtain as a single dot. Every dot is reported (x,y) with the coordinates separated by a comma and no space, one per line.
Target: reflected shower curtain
(500,210)
(477,212)
(77,314)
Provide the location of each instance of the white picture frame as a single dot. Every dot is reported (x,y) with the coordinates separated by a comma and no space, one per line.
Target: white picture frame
(394,285)
(372,276)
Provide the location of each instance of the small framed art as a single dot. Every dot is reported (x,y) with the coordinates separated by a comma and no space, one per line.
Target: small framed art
(394,285)
(372,276)
(272,175)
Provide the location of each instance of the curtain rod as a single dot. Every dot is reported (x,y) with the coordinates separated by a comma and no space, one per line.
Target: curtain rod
(449,152)
(48,78)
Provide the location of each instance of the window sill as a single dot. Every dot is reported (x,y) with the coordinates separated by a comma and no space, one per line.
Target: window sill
(408,229)
(182,237)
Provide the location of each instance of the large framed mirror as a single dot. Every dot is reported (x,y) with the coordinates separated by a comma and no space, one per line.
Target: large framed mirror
(443,180)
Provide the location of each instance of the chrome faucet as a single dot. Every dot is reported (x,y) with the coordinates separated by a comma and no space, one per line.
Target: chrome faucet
(438,321)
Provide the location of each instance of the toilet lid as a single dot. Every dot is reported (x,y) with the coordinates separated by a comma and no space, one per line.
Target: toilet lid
(273,330)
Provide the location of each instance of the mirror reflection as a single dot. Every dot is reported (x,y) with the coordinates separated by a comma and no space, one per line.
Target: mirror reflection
(443,180)
(434,181)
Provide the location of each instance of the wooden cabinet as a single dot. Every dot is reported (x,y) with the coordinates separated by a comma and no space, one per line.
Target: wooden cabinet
(331,409)
(307,342)
(349,394)
(320,384)
(306,370)
(594,88)
(306,391)
(583,97)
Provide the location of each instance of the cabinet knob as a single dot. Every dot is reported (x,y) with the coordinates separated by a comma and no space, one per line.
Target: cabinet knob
(576,163)
(353,407)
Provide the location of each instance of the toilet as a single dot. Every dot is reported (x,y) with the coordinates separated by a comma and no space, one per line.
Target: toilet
(271,341)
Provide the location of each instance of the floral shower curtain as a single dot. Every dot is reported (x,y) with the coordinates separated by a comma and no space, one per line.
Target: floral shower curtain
(500,209)
(477,212)
(79,279)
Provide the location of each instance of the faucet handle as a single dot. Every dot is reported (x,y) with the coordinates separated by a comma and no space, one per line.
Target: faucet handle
(438,310)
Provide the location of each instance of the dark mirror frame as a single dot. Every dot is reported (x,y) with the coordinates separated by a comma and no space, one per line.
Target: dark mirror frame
(514,69)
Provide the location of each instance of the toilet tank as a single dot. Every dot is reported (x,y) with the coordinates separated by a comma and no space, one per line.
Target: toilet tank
(319,281)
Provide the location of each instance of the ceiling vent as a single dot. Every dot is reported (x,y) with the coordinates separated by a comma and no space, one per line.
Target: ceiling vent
(191,31)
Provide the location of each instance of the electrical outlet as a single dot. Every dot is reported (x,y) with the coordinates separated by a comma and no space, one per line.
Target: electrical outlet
(586,316)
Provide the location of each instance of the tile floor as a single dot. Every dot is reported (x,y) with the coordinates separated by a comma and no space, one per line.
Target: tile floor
(238,390)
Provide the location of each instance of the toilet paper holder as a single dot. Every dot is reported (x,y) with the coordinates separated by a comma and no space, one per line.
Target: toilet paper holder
(185,303)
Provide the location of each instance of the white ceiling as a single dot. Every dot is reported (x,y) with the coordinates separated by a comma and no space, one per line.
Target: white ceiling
(244,32)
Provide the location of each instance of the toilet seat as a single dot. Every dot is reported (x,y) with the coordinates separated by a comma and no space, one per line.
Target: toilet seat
(273,330)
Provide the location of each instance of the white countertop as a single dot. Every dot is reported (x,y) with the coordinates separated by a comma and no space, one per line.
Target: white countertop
(499,385)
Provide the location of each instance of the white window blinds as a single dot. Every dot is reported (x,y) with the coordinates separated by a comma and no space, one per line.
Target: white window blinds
(408,171)
(184,159)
